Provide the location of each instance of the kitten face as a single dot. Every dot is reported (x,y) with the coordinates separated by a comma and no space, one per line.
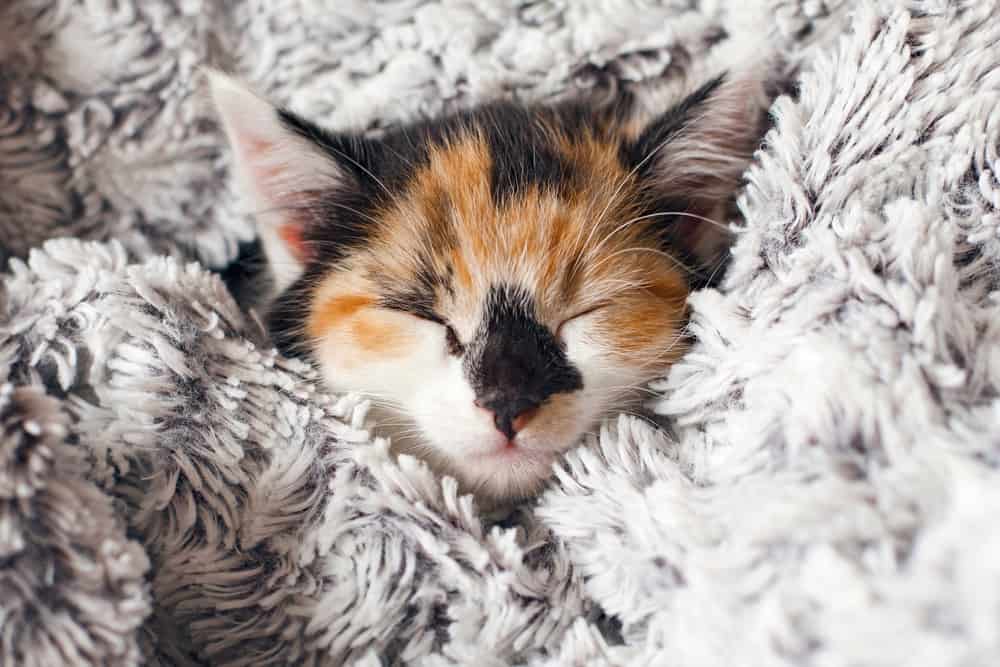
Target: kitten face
(499,280)
(484,323)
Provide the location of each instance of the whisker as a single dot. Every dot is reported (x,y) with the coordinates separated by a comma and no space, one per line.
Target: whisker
(655,251)
(624,225)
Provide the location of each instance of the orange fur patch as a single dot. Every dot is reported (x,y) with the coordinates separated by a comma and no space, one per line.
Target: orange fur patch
(334,311)
(461,269)
(376,335)
(372,330)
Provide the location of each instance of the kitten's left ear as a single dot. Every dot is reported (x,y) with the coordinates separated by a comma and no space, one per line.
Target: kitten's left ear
(282,169)
(692,158)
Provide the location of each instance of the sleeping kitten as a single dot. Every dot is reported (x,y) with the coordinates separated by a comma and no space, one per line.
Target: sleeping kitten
(497,280)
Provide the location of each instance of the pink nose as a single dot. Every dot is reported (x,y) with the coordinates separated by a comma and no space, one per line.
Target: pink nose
(510,417)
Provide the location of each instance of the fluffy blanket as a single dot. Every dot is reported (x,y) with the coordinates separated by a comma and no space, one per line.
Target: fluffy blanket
(174,493)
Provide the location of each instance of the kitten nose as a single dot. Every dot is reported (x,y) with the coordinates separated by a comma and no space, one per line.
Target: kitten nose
(510,416)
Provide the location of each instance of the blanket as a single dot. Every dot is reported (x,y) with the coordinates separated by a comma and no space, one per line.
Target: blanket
(826,491)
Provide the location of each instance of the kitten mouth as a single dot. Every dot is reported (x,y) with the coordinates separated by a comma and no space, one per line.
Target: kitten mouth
(508,451)
(512,453)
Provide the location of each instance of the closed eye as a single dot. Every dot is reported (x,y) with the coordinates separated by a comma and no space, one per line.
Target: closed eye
(455,346)
(578,315)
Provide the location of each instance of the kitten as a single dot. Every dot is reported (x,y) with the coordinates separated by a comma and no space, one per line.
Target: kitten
(497,280)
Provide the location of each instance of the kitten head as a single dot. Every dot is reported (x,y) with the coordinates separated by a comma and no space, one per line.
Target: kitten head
(498,280)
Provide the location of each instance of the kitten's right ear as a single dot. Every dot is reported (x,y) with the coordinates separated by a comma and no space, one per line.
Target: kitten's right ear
(279,171)
(692,158)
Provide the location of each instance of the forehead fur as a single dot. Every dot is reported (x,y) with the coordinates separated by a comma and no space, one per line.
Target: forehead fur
(509,194)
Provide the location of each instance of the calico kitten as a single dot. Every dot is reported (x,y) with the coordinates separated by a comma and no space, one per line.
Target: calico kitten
(499,279)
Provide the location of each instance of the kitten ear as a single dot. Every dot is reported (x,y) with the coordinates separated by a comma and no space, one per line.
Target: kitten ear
(692,159)
(281,173)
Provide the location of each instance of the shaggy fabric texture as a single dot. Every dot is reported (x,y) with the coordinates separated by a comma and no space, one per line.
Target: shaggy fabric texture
(174,493)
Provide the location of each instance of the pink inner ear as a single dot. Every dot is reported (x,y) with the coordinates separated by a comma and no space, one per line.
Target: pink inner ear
(257,152)
(269,175)
(291,235)
(255,146)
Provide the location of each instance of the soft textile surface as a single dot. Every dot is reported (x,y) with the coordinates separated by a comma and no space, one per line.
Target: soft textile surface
(172,492)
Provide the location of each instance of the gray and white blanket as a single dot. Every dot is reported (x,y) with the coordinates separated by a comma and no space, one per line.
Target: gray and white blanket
(172,492)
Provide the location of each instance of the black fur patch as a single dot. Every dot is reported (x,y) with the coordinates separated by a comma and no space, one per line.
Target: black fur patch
(515,363)
(522,155)
(287,317)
